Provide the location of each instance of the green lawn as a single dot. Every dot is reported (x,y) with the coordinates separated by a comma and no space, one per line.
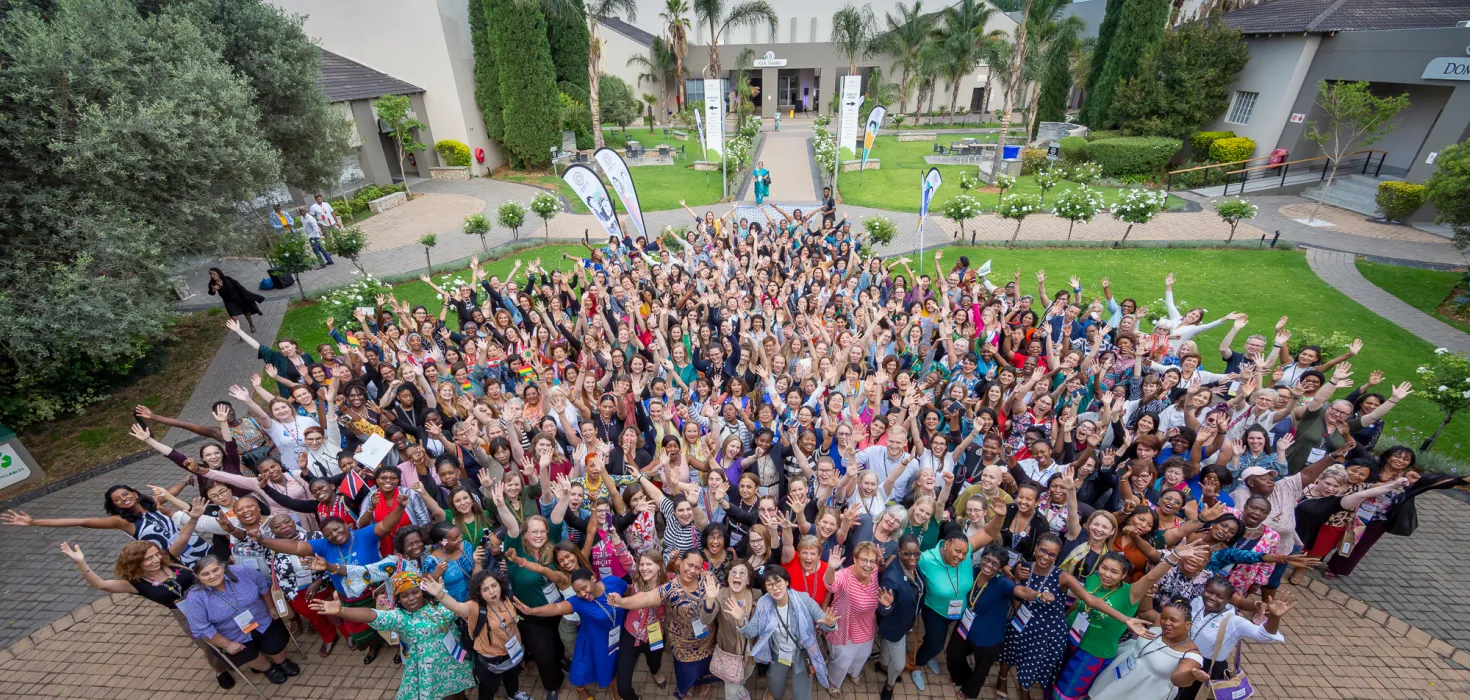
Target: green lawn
(896,186)
(660,187)
(1264,284)
(1422,289)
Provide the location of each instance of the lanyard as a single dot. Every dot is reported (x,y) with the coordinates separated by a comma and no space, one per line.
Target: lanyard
(974,594)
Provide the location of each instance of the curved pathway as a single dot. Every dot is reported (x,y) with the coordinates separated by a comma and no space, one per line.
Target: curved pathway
(1339,270)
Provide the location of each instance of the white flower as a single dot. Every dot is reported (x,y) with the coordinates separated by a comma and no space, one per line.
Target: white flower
(1443,388)
(1466,395)
(1423,370)
(1441,351)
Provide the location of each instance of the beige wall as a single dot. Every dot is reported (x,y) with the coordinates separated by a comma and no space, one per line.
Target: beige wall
(616,49)
(424,42)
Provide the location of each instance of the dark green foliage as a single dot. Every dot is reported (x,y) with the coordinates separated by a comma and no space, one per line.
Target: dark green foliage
(1181,83)
(1056,83)
(1448,189)
(1397,200)
(1103,134)
(1140,28)
(527,84)
(616,103)
(126,143)
(1073,149)
(1133,155)
(1105,32)
(487,69)
(1199,144)
(566,32)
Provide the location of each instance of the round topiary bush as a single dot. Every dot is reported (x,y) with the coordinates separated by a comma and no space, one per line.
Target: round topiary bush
(1230,150)
(1199,144)
(1073,149)
(454,153)
(1397,200)
(1032,160)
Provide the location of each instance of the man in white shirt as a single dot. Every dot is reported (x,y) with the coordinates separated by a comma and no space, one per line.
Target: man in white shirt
(884,460)
(313,231)
(325,216)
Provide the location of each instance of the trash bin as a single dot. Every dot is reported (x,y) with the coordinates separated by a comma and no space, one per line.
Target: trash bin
(280,279)
(1010,152)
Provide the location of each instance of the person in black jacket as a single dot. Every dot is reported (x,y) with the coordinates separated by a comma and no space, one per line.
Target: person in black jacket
(901,592)
(238,300)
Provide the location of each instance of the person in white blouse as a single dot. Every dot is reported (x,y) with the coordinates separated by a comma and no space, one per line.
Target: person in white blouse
(286,429)
(1215,625)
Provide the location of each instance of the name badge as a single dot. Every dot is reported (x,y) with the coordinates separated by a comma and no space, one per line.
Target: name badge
(1315,455)
(655,636)
(614,636)
(967,618)
(1079,627)
(514,650)
(604,571)
(1023,616)
(1124,666)
(699,629)
(785,652)
(955,607)
(552,593)
(451,645)
(246,622)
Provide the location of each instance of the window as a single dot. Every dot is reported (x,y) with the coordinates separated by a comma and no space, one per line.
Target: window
(793,30)
(814,30)
(1240,111)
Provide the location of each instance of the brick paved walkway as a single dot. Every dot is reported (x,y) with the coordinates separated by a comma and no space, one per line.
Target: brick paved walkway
(122,647)
(1270,218)
(1339,270)
(1357,224)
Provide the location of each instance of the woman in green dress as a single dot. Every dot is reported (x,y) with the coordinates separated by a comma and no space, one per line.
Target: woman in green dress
(762,182)
(429,671)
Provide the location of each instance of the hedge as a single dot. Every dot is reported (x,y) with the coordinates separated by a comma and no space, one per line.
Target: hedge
(454,153)
(1199,144)
(1133,155)
(1397,200)
(1103,134)
(1032,160)
(1230,150)
(1073,149)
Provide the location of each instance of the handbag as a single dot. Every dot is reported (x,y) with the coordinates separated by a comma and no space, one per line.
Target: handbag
(728,667)
(1403,519)
(1235,686)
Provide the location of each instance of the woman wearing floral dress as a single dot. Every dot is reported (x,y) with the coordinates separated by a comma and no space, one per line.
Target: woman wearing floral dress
(429,672)
(1037,636)
(689,613)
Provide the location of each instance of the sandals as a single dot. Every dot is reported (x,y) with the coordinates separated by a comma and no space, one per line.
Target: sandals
(1298,577)
(326,648)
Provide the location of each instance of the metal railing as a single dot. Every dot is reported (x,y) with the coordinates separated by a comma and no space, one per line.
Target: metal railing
(1208,171)
(1357,162)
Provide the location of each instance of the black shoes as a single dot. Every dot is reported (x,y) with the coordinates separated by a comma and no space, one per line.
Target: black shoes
(225,680)
(275,675)
(290,668)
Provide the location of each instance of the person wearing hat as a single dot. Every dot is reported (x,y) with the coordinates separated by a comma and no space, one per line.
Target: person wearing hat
(430,669)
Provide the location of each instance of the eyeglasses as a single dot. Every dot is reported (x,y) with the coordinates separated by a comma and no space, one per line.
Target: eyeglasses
(869,562)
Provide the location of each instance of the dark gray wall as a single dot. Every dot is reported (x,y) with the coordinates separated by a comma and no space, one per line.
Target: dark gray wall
(1397,57)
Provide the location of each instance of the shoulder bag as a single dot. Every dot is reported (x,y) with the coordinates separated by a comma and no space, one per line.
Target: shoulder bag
(1236,685)
(728,667)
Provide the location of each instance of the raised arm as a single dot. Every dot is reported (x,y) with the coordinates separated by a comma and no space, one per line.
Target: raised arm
(234,326)
(91,577)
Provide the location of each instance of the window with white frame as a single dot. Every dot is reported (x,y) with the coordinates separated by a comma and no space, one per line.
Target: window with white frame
(1241,108)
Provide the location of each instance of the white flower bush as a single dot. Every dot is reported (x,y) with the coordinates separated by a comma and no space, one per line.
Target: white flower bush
(1138,206)
(969,181)
(824,144)
(1442,378)
(1233,211)
(961,208)
(1077,204)
(1084,173)
(341,303)
(1018,206)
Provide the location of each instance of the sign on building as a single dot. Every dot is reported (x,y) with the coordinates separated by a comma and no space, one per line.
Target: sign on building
(1298,117)
(769,61)
(714,115)
(1448,68)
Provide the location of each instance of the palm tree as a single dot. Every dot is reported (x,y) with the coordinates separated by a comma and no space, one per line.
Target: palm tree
(745,93)
(1047,26)
(676,23)
(853,31)
(880,91)
(1080,64)
(996,54)
(904,40)
(596,10)
(963,36)
(932,59)
(658,66)
(715,15)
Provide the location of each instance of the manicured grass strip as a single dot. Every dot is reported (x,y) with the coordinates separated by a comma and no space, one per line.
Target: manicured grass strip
(1422,289)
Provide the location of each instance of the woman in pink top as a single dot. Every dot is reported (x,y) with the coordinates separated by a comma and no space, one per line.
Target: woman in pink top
(854,592)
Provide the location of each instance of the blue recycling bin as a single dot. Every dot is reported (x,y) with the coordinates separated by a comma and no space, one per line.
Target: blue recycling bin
(1010,152)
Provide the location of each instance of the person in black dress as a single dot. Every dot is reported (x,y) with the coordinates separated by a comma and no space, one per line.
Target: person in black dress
(238,300)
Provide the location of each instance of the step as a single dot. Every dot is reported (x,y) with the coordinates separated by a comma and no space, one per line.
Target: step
(1366,188)
(1362,205)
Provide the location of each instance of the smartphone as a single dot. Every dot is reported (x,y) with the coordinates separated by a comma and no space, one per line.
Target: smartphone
(142,423)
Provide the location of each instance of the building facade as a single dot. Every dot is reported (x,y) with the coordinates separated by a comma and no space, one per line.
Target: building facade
(1412,48)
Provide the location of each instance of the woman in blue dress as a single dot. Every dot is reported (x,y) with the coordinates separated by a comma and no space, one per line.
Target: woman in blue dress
(595,658)
(762,182)
(454,560)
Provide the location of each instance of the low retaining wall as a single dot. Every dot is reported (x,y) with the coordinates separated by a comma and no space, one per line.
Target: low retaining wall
(454,172)
(909,136)
(851,165)
(382,204)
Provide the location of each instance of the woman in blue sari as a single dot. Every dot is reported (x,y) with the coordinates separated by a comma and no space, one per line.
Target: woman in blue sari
(762,182)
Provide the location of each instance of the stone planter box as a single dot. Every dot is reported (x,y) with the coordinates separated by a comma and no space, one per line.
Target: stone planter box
(852,165)
(913,136)
(456,172)
(711,165)
(680,135)
(382,204)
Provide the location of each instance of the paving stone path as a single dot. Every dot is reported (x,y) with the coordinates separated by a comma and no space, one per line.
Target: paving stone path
(1339,270)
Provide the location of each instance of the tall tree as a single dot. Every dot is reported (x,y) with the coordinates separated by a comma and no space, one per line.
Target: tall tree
(1105,31)
(904,40)
(1049,31)
(676,27)
(282,66)
(1183,83)
(1051,104)
(570,38)
(658,66)
(127,141)
(961,33)
(1140,28)
(716,16)
(528,84)
(1015,70)
(853,31)
(1353,118)
(595,10)
(487,70)
(394,111)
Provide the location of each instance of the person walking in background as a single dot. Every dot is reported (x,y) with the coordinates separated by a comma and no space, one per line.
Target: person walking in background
(325,215)
(313,229)
(282,221)
(238,300)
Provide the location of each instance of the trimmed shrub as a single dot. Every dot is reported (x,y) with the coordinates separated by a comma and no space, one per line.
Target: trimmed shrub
(1103,135)
(1032,160)
(1198,178)
(1133,155)
(1397,200)
(1229,150)
(454,153)
(1199,144)
(1073,149)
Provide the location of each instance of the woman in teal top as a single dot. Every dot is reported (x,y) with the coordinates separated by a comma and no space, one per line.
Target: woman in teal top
(1094,630)
(762,182)
(948,577)
(529,557)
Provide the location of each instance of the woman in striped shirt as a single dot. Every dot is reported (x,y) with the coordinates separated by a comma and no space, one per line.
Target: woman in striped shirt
(855,600)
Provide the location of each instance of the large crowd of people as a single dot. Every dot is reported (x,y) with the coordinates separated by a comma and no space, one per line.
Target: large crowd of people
(759,450)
